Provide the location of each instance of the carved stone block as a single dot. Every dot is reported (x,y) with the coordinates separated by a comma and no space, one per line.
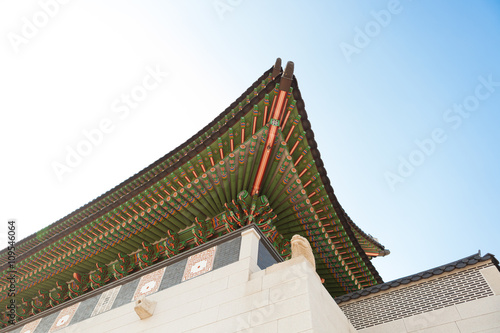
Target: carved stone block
(144,307)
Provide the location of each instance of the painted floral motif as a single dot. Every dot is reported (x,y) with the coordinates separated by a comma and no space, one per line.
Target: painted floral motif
(64,317)
(199,266)
(62,321)
(149,283)
(199,263)
(148,287)
(30,327)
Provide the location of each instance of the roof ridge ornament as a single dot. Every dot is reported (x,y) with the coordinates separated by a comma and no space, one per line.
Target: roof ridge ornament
(286,79)
(281,101)
(276,68)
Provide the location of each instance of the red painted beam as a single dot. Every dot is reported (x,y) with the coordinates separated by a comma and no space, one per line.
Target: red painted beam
(285,83)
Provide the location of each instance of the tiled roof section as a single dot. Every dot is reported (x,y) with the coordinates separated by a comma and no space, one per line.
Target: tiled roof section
(125,228)
(116,195)
(368,237)
(467,261)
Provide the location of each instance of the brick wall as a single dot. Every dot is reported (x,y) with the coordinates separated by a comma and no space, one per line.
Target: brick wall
(455,288)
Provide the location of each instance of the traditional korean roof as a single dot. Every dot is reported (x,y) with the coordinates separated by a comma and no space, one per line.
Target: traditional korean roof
(427,274)
(257,162)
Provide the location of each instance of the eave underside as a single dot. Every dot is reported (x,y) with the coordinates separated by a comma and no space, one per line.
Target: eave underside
(200,191)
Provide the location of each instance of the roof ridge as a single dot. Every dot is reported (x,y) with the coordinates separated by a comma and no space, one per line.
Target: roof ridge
(136,175)
(438,270)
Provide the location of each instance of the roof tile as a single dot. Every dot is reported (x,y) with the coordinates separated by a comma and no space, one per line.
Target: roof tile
(470,260)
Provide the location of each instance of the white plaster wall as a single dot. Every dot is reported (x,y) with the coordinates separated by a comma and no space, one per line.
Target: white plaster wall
(286,297)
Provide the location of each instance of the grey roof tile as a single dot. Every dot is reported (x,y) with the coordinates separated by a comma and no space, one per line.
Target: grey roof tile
(470,260)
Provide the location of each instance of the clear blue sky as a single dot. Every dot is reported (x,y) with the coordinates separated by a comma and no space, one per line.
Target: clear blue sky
(403,97)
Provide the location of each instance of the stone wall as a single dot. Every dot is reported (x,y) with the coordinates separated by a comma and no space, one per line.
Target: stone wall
(236,295)
(463,301)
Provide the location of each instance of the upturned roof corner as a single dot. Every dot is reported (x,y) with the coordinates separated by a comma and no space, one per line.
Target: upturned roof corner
(255,163)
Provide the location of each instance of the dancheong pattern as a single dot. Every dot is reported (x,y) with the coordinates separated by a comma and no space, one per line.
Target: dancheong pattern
(64,317)
(255,163)
(31,327)
(199,263)
(149,283)
(106,301)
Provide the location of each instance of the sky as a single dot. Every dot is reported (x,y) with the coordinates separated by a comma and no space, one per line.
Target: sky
(403,98)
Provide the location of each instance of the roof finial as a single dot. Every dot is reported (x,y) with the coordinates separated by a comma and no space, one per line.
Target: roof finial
(286,79)
(277,68)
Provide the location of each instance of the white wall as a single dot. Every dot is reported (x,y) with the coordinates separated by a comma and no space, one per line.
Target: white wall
(286,297)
